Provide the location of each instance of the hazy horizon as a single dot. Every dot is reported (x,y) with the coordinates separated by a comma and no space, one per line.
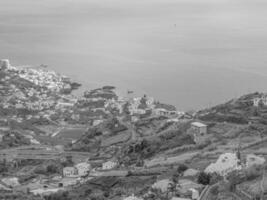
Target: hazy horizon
(190,53)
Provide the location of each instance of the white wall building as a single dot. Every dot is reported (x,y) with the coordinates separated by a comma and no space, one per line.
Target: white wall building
(199,127)
(83,168)
(70,172)
(109,165)
(195,194)
(11,181)
(258,100)
(132,198)
(162,185)
(225,164)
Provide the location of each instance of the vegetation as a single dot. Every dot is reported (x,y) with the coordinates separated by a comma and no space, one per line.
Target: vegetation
(204,178)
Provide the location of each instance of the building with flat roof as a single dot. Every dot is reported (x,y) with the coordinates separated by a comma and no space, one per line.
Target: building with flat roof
(199,132)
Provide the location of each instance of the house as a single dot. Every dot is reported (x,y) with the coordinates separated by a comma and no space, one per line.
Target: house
(109,165)
(97,122)
(195,194)
(132,198)
(162,185)
(199,131)
(11,181)
(70,172)
(252,160)
(83,168)
(256,102)
(164,112)
(68,181)
(225,164)
(45,191)
(179,198)
(264,100)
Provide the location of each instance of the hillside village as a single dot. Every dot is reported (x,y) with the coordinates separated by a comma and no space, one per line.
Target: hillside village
(100,146)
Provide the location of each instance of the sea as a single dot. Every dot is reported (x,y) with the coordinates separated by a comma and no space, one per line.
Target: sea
(189,53)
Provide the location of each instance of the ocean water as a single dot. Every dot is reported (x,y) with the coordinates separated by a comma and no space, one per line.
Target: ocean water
(190,53)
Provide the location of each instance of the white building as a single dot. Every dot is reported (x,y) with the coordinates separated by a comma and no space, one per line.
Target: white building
(179,198)
(195,194)
(252,160)
(45,191)
(97,122)
(199,127)
(258,100)
(162,185)
(83,168)
(109,165)
(70,172)
(132,198)
(11,181)
(225,164)
(164,112)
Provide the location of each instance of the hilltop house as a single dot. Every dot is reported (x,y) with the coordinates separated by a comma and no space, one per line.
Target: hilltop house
(199,131)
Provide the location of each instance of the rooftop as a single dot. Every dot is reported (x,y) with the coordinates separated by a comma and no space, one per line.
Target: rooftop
(198,124)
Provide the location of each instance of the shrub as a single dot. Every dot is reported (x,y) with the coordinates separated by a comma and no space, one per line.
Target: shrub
(204,178)
(215,190)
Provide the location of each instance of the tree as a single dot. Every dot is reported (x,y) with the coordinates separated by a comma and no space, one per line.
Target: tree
(181,168)
(215,178)
(52,169)
(204,178)
(215,190)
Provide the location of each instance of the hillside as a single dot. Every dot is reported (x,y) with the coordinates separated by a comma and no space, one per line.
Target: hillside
(103,146)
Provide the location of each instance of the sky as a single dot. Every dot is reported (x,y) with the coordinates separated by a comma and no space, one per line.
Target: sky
(190,53)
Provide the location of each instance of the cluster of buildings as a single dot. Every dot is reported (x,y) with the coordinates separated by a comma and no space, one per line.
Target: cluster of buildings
(185,187)
(45,78)
(39,100)
(79,170)
(85,168)
(115,104)
(229,162)
(261,100)
(145,104)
